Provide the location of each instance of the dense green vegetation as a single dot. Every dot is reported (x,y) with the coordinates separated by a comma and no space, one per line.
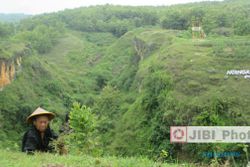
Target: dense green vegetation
(138,71)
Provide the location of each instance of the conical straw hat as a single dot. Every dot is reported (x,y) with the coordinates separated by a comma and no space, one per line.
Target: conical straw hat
(40,111)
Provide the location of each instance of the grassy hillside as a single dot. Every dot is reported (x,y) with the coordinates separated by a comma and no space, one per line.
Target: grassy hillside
(179,82)
(69,72)
(139,77)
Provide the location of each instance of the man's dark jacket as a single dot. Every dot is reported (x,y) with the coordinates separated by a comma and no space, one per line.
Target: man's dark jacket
(32,140)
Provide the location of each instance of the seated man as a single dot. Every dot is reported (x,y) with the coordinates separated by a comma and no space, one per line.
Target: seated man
(38,137)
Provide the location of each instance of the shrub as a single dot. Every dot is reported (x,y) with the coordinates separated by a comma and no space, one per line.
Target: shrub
(82,122)
(242,27)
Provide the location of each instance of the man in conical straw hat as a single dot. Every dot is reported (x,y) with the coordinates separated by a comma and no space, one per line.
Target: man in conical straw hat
(38,137)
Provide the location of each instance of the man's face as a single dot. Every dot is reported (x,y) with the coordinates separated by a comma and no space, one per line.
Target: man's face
(41,123)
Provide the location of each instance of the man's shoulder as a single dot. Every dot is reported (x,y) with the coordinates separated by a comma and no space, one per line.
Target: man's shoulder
(31,132)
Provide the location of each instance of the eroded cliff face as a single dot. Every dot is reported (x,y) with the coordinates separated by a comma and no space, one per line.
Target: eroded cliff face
(8,69)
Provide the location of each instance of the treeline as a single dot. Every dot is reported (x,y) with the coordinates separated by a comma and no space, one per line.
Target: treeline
(39,36)
(221,18)
(217,18)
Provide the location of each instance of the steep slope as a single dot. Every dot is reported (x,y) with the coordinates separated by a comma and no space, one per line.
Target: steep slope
(10,62)
(139,79)
(179,81)
(52,80)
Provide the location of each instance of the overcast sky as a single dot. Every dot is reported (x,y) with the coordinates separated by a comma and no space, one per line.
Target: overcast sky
(45,6)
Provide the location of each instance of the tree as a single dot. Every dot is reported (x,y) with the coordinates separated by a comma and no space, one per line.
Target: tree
(107,108)
(42,37)
(222,20)
(149,18)
(176,21)
(242,27)
(83,123)
(6,29)
(197,14)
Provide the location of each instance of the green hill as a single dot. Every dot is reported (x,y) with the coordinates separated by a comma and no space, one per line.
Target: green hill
(140,72)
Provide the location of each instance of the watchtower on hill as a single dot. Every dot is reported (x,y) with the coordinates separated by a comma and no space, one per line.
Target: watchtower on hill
(197,30)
